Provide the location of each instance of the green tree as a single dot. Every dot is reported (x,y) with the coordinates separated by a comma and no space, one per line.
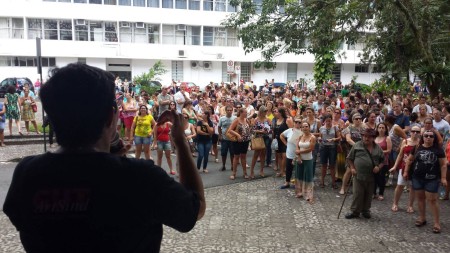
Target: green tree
(400,35)
(153,74)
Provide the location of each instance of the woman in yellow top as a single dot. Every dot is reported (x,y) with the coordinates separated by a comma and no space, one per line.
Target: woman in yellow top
(142,129)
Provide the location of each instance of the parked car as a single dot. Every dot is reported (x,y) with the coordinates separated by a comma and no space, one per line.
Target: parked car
(18,82)
(189,85)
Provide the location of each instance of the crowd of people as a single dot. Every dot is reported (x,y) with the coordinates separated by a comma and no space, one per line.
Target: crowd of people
(360,139)
(406,134)
(18,106)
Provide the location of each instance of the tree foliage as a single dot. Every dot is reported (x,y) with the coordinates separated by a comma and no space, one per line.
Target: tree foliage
(400,35)
(153,74)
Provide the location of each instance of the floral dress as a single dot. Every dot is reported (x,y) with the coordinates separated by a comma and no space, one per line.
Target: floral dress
(27,110)
(261,125)
(12,108)
(244,131)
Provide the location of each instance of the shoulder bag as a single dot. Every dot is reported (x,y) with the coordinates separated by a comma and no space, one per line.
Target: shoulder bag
(229,135)
(257,143)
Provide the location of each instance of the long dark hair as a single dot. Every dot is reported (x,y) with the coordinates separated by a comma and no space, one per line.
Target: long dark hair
(282,112)
(208,114)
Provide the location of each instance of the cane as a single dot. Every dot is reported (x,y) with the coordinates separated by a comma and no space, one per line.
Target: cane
(345,196)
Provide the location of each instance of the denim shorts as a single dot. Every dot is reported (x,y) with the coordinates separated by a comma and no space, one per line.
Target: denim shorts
(164,145)
(2,125)
(431,186)
(328,155)
(142,140)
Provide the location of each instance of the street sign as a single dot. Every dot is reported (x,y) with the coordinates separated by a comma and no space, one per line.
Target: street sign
(230,66)
(237,69)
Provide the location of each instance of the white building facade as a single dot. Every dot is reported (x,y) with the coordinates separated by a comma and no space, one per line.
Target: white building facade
(127,37)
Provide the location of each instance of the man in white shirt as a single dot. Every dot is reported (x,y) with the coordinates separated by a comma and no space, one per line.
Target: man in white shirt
(422,101)
(439,124)
(181,97)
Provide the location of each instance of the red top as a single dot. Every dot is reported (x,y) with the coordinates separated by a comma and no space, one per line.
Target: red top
(162,133)
(406,152)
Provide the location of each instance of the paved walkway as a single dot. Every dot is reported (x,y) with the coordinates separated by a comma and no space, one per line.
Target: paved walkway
(256,216)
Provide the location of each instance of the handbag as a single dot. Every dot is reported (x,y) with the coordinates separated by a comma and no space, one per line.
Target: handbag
(258,143)
(34,107)
(230,136)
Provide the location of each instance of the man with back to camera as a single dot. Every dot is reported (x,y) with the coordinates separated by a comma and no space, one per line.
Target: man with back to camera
(84,199)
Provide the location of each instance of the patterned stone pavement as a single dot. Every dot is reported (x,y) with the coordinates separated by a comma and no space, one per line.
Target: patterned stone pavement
(256,216)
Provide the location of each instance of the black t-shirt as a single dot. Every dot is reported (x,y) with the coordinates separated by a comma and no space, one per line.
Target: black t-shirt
(204,138)
(426,164)
(96,202)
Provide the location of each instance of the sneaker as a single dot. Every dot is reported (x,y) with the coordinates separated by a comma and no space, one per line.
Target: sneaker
(285,186)
(217,160)
(223,168)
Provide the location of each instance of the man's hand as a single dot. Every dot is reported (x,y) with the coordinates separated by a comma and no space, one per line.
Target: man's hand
(444,182)
(353,170)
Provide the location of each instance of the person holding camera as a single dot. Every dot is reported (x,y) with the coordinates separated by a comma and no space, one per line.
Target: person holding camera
(82,198)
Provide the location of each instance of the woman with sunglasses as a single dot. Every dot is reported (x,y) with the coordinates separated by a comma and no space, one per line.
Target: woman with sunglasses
(172,106)
(329,137)
(428,167)
(405,150)
(142,130)
(384,141)
(304,172)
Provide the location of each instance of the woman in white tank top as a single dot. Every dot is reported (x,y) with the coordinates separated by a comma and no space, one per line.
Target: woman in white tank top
(304,170)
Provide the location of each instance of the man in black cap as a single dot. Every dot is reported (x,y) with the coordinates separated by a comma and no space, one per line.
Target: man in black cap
(365,158)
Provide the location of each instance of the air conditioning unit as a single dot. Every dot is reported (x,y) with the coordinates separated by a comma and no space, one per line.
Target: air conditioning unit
(181,27)
(140,25)
(181,54)
(207,65)
(221,30)
(194,64)
(219,56)
(125,24)
(80,22)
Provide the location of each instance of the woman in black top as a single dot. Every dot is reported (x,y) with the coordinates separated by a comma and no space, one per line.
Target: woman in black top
(281,123)
(428,167)
(204,132)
